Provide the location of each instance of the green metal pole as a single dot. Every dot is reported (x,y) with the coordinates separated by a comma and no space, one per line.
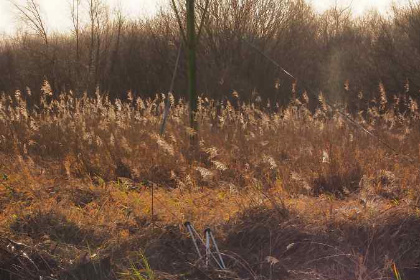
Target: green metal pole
(192,67)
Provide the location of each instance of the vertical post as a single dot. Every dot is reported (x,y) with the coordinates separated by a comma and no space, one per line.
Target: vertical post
(192,67)
(153,208)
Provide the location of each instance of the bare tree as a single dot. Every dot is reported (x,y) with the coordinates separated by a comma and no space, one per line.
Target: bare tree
(31,15)
(75,17)
(99,33)
(118,23)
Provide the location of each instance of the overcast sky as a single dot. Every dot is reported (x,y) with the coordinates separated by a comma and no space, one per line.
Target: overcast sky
(56,12)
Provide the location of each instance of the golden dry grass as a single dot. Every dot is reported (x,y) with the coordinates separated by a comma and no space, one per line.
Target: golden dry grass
(304,187)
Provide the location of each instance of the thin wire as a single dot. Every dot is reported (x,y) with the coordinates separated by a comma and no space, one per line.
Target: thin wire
(268,58)
(165,117)
(169,211)
(171,88)
(346,117)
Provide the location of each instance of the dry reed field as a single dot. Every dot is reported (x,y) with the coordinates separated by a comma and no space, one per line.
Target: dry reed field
(290,193)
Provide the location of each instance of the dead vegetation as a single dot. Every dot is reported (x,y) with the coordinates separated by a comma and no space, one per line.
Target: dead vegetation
(291,193)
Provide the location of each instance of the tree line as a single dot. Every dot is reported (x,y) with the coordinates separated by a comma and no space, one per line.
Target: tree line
(335,52)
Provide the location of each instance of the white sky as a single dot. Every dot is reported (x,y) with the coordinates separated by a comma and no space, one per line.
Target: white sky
(56,12)
(358,6)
